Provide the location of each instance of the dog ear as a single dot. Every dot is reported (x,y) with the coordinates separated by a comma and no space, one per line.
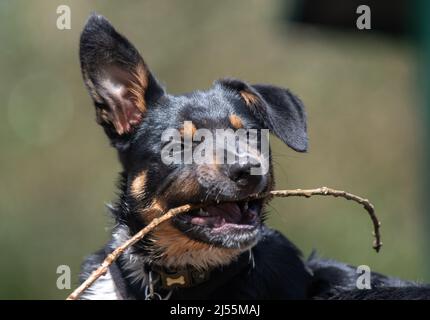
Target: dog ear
(277,109)
(284,114)
(116,77)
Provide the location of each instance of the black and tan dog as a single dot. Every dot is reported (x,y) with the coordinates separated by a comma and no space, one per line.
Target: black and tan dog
(224,251)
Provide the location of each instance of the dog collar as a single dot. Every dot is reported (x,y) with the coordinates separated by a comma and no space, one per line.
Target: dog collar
(203,284)
(180,278)
(179,284)
(191,277)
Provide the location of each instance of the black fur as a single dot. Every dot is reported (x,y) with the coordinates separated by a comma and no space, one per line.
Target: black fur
(276,271)
(281,112)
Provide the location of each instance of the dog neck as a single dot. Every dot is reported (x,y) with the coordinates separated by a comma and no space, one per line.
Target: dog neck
(140,271)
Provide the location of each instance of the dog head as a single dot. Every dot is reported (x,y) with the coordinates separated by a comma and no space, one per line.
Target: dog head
(147,126)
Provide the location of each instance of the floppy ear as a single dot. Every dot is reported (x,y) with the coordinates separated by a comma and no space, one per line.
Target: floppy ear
(116,77)
(277,109)
(284,114)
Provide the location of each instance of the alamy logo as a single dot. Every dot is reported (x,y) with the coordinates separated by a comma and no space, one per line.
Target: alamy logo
(63,280)
(64,18)
(364,279)
(363,21)
(224,146)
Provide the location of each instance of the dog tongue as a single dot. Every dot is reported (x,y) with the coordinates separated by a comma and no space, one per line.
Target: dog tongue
(230,211)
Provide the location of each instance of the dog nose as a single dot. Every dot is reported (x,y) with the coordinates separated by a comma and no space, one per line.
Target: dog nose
(241,175)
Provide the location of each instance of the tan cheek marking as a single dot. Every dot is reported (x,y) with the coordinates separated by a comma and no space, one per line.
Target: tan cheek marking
(173,243)
(154,211)
(174,249)
(186,186)
(138,185)
(250,99)
(236,121)
(179,250)
(190,188)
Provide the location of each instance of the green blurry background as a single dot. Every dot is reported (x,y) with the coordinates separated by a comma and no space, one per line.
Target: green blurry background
(57,169)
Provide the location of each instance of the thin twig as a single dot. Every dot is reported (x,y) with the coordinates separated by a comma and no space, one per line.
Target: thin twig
(100,271)
(323,191)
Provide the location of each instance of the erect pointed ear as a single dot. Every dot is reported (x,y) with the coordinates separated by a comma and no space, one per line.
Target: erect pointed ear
(277,109)
(117,78)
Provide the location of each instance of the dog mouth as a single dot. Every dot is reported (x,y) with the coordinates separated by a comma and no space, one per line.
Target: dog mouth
(232,224)
(226,215)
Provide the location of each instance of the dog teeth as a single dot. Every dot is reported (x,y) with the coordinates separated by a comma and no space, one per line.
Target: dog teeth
(245,206)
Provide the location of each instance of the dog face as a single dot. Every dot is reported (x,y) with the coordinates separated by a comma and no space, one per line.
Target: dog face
(136,112)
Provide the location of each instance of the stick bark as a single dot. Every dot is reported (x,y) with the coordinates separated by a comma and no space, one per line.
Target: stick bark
(323,191)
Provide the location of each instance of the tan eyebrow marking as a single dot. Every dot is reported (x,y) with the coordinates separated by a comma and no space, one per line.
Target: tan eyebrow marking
(188,130)
(236,121)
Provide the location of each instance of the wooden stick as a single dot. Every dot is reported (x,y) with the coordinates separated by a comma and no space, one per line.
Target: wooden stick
(119,250)
(323,191)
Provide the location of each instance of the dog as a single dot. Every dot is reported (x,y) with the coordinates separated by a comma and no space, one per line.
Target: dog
(223,251)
